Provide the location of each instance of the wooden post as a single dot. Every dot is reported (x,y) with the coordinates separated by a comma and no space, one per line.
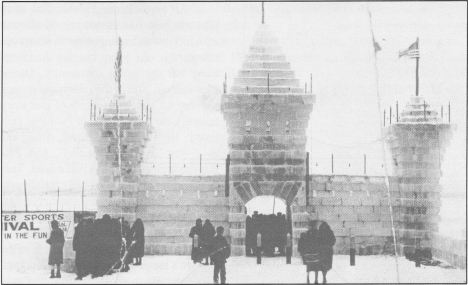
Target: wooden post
(311,83)
(390,115)
(274,202)
(151,114)
(424,110)
(307,187)
(442,111)
(417,253)
(147,112)
(263,13)
(288,248)
(449,111)
(58,197)
(91,111)
(25,196)
(82,196)
(352,250)
(397,111)
(226,181)
(417,75)
(332,162)
(268,81)
(365,164)
(259,248)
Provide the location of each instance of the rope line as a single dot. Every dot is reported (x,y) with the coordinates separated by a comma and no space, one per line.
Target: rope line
(387,183)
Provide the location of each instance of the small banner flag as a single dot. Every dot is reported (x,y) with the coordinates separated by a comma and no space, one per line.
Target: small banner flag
(376,45)
(118,64)
(412,51)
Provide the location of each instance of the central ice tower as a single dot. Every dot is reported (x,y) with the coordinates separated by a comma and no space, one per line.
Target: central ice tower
(267,113)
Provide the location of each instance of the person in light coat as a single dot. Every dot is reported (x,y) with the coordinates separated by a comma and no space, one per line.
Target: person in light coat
(56,241)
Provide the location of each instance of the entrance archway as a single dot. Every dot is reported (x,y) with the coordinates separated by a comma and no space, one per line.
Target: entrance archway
(271,217)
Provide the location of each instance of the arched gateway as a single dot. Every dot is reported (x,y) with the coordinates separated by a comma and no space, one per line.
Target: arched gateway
(266,113)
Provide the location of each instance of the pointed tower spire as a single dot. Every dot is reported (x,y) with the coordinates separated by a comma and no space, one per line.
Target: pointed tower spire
(263,13)
(118,67)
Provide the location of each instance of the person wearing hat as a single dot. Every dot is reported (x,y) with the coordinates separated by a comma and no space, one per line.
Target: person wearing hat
(56,241)
(326,242)
(222,251)
(196,231)
(309,248)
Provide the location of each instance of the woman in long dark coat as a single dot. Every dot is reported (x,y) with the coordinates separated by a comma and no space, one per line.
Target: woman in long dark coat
(326,242)
(207,237)
(309,245)
(56,241)
(138,241)
(196,230)
(82,247)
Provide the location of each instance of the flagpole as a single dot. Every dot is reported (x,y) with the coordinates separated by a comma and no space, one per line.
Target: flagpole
(417,69)
(383,149)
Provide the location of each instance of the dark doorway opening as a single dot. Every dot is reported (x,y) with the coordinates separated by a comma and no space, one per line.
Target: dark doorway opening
(270,217)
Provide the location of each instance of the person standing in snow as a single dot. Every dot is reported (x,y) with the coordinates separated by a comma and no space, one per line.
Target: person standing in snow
(56,241)
(195,233)
(138,241)
(326,242)
(82,247)
(206,239)
(309,248)
(222,251)
(249,236)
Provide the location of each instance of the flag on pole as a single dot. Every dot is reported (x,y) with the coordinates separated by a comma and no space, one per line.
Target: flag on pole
(412,51)
(376,45)
(118,64)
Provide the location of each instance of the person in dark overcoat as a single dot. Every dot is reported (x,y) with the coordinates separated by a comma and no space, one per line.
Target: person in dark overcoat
(116,237)
(222,251)
(326,242)
(104,246)
(82,247)
(309,245)
(138,241)
(56,241)
(206,239)
(96,254)
(127,237)
(249,234)
(196,231)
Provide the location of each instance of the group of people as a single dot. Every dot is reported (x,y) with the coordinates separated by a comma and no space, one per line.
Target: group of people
(107,245)
(102,246)
(210,245)
(316,248)
(273,230)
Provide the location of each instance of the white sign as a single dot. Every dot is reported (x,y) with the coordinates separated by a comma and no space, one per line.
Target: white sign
(35,225)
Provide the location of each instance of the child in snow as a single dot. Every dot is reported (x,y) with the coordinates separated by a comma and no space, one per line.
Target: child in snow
(222,251)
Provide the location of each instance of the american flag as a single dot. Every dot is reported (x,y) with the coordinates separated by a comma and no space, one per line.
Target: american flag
(412,51)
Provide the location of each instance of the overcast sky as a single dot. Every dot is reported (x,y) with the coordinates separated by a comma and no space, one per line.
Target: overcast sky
(59,56)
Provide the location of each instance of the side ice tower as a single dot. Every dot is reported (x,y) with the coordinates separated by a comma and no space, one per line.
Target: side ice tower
(417,143)
(119,136)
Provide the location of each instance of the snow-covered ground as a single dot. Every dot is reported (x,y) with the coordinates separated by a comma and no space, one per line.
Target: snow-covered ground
(180,269)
